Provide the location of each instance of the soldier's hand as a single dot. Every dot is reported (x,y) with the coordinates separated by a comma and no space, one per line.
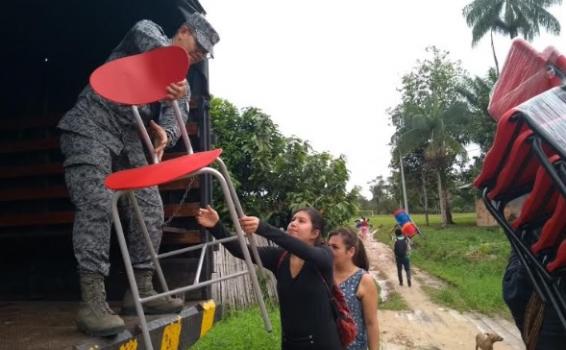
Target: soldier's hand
(177,90)
(207,217)
(159,138)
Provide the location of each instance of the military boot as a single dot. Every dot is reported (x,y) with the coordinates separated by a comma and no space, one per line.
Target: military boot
(162,305)
(95,316)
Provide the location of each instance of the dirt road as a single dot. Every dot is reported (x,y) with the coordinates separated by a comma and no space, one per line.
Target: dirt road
(428,326)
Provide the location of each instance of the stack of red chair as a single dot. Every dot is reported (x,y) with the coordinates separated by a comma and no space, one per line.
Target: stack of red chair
(528,158)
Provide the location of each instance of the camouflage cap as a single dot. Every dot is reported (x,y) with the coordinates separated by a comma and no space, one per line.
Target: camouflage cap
(206,36)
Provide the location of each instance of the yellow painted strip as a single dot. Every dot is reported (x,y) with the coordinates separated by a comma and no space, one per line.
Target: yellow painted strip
(207,317)
(130,345)
(171,335)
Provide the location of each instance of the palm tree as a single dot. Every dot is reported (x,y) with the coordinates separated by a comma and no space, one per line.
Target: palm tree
(476,93)
(510,17)
(432,130)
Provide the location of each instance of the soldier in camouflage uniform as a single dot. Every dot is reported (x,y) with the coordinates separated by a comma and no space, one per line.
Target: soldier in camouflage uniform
(100,137)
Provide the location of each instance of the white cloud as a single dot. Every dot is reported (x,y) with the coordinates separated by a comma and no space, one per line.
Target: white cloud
(326,71)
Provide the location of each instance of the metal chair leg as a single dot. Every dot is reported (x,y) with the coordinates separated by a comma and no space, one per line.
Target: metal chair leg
(130,269)
(240,236)
(239,210)
(243,245)
(147,238)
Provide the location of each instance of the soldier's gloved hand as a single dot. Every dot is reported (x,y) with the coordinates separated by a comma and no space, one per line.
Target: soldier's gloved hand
(159,138)
(177,90)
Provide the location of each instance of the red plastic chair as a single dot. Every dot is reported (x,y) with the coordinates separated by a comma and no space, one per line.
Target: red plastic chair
(142,79)
(508,128)
(559,261)
(517,175)
(553,229)
(525,74)
(541,201)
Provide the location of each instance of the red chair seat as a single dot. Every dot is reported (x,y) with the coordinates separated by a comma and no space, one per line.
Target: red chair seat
(560,260)
(141,79)
(160,173)
(541,201)
(552,229)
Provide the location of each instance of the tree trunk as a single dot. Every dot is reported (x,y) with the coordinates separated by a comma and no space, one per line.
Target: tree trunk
(447,207)
(443,218)
(425,198)
(494,55)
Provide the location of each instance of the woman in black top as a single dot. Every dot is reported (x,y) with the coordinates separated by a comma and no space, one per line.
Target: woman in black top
(307,319)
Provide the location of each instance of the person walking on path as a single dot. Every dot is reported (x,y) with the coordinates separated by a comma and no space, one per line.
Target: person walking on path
(401,249)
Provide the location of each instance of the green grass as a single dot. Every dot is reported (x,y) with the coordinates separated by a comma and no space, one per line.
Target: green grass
(242,330)
(419,219)
(394,302)
(470,259)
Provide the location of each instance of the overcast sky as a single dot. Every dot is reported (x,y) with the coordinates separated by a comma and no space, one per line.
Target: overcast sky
(327,71)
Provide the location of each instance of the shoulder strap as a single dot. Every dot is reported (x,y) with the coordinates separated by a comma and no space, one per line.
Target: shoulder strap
(281,257)
(327,286)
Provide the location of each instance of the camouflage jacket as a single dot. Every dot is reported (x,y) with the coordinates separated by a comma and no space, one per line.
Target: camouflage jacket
(112,124)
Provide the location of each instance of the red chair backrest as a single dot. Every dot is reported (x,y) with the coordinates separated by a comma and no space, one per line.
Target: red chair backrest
(541,201)
(523,76)
(553,229)
(560,259)
(519,170)
(142,78)
(508,128)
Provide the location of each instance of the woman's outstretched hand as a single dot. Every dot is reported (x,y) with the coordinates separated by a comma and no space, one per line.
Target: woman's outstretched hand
(249,224)
(207,217)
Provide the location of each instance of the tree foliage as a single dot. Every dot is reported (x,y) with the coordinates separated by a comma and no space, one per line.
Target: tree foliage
(384,200)
(431,120)
(276,174)
(480,128)
(509,17)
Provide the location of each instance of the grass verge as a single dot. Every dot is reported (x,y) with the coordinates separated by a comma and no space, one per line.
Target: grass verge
(242,330)
(394,302)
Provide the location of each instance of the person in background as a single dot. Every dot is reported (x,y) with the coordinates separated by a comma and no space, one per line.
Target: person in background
(302,265)
(351,267)
(99,137)
(364,227)
(401,249)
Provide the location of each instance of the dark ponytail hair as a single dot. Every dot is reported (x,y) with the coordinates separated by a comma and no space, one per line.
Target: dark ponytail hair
(317,221)
(351,239)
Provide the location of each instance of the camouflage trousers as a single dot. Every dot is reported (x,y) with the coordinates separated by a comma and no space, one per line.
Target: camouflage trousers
(87,163)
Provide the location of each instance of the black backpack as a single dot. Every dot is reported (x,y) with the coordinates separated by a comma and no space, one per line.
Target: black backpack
(400,248)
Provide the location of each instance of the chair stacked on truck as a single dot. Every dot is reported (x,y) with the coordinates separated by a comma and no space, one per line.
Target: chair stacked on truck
(528,158)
